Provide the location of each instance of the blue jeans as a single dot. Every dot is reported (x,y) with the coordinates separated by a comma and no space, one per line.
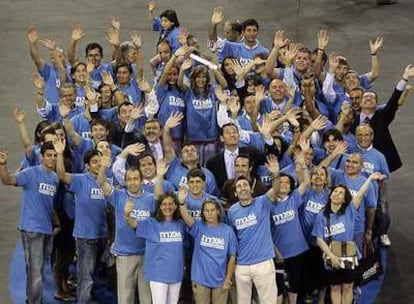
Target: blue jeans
(37,249)
(89,253)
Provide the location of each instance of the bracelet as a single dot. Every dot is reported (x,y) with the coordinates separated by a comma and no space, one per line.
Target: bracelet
(373,54)
(116,89)
(181,204)
(404,79)
(322,50)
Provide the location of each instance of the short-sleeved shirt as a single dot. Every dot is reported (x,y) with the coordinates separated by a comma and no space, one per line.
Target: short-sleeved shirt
(252,226)
(39,189)
(164,250)
(213,245)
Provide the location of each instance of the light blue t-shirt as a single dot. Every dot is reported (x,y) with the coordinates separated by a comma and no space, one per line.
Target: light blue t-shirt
(126,243)
(164,250)
(213,245)
(287,231)
(90,209)
(252,226)
(39,189)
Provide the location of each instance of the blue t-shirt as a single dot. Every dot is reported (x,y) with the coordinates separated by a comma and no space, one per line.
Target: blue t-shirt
(54,114)
(213,247)
(194,204)
(313,205)
(164,250)
(287,231)
(171,100)
(170,35)
(252,227)
(132,92)
(39,189)
(90,209)
(201,117)
(96,75)
(81,125)
(374,161)
(167,186)
(241,51)
(52,82)
(177,174)
(369,199)
(341,225)
(126,243)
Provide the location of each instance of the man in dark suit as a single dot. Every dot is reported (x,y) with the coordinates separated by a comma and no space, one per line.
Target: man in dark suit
(380,119)
(222,165)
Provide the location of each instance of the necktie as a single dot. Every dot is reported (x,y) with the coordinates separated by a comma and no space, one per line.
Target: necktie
(232,157)
(154,152)
(367,120)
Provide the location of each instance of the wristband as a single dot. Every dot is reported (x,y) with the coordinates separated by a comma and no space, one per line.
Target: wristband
(181,204)
(322,50)
(113,91)
(402,78)
(373,54)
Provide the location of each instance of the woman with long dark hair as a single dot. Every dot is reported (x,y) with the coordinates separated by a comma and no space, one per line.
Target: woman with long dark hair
(336,223)
(164,248)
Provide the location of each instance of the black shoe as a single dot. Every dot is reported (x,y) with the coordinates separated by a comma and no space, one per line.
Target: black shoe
(386,2)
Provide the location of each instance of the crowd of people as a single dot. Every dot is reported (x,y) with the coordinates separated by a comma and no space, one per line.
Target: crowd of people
(230,178)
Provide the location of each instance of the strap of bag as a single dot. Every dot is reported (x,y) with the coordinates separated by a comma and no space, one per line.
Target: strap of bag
(339,162)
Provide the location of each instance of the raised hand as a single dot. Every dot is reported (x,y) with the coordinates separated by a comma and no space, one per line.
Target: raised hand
(259,94)
(137,111)
(340,149)
(38,81)
(323,39)
(183,50)
(333,62)
(307,80)
(376,45)
(59,145)
(220,94)
(272,164)
(144,85)
(162,167)
(90,94)
(3,156)
(18,115)
(107,78)
(236,66)
(32,34)
(292,116)
(218,15)
(151,5)
(112,36)
(106,161)
(114,23)
(50,44)
(304,144)
(77,32)
(183,35)
(90,66)
(408,72)
(319,123)
(182,194)
(135,149)
(187,64)
(265,128)
(291,51)
(174,120)
(64,110)
(280,40)
(136,39)
(233,105)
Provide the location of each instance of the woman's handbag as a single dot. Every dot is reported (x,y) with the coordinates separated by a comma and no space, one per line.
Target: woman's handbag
(371,264)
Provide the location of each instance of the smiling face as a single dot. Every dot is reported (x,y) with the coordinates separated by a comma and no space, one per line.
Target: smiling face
(277,90)
(166,24)
(353,164)
(67,97)
(351,81)
(210,213)
(243,190)
(133,181)
(147,167)
(364,136)
(164,51)
(49,159)
(302,62)
(104,147)
(250,33)
(196,186)
(99,132)
(94,164)
(152,131)
(319,177)
(369,101)
(230,136)
(94,56)
(80,74)
(338,196)
(168,207)
(123,75)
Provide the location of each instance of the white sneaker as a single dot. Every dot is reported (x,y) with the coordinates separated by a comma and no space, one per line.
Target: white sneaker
(385,240)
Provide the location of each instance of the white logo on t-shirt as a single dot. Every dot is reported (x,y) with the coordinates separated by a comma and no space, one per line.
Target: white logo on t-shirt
(176,101)
(170,236)
(313,207)
(47,189)
(284,217)
(97,193)
(335,229)
(246,221)
(212,242)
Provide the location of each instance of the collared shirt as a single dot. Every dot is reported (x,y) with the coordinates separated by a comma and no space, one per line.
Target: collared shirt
(365,118)
(157,151)
(229,159)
